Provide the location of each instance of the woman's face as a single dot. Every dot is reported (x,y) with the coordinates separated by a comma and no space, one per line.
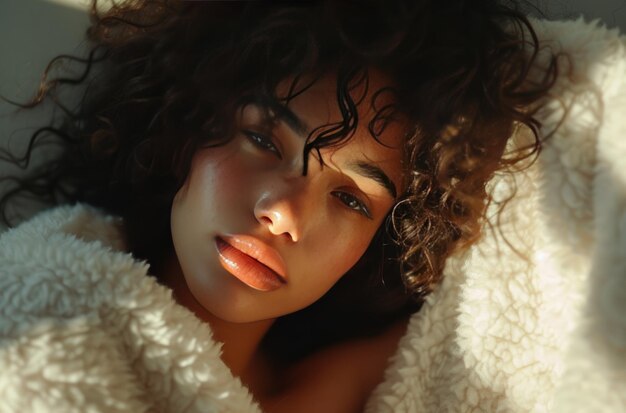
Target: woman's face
(254,238)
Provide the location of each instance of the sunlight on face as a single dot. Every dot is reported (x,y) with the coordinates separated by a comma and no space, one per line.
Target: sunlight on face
(255,239)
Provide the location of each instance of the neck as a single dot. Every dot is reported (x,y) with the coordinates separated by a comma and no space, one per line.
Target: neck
(240,341)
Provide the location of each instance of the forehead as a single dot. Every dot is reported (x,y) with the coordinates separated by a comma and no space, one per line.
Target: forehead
(379,135)
(371,97)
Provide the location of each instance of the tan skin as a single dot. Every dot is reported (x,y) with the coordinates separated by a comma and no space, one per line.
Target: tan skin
(337,379)
(332,212)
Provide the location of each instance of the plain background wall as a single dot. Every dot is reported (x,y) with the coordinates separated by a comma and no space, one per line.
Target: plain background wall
(612,12)
(34,31)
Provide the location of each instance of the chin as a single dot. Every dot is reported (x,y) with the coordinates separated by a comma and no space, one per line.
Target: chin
(235,308)
(240,316)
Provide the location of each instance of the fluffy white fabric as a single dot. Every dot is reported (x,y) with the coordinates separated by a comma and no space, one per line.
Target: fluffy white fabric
(84,329)
(544,333)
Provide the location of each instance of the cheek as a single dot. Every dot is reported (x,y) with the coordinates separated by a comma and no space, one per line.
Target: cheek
(210,201)
(335,255)
(215,180)
(348,251)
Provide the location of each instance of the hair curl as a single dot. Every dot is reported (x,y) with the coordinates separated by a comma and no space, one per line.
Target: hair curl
(165,78)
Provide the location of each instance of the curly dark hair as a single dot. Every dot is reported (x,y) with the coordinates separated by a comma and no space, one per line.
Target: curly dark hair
(165,78)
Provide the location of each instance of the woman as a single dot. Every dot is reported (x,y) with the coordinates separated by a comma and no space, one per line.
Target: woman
(296,174)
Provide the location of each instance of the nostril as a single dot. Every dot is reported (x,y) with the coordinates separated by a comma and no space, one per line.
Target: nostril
(278,224)
(274,228)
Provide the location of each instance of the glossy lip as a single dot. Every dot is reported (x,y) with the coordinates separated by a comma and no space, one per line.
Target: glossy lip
(250,260)
(258,250)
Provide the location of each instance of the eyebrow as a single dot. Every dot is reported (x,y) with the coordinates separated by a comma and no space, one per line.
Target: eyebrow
(281,112)
(373,172)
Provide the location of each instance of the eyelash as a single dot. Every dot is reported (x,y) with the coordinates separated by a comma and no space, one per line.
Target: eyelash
(262,142)
(357,206)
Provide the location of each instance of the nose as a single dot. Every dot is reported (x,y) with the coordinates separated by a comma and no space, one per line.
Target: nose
(281,210)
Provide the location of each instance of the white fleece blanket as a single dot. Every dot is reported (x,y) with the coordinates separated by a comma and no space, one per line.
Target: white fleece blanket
(84,329)
(547,333)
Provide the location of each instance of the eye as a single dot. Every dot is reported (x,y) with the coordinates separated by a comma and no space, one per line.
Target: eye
(263,142)
(353,203)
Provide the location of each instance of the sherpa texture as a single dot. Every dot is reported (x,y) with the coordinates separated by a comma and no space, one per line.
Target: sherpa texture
(546,333)
(84,329)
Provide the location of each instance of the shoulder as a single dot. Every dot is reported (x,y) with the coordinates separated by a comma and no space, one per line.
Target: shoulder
(339,378)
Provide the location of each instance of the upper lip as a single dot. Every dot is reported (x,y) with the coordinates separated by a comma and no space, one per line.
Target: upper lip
(258,250)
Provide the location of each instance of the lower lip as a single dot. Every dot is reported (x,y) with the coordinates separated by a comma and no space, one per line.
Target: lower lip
(247,269)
